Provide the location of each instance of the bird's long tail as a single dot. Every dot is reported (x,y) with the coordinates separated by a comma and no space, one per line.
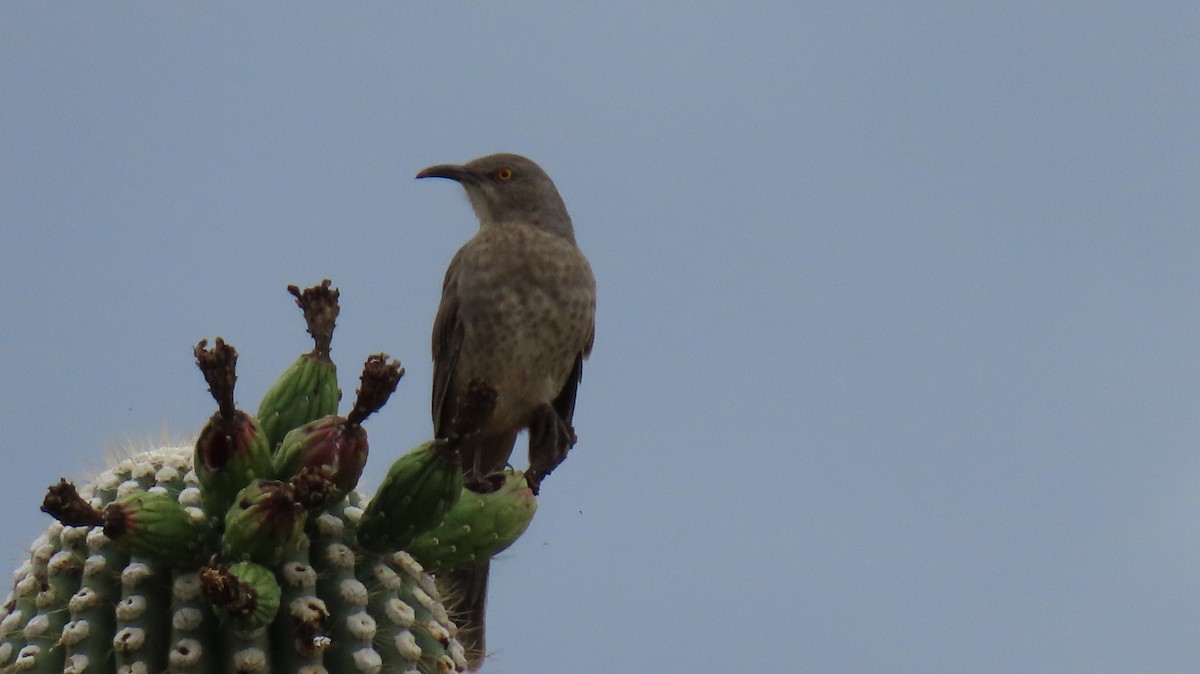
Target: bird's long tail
(467,600)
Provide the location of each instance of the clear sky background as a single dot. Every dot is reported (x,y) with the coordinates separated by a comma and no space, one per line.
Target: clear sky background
(897,364)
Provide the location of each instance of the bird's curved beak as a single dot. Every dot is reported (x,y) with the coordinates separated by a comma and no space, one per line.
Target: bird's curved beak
(454,172)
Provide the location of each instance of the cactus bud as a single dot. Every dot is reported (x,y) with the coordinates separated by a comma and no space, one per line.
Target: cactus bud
(418,491)
(331,443)
(340,444)
(308,389)
(153,524)
(231,449)
(264,519)
(478,527)
(245,594)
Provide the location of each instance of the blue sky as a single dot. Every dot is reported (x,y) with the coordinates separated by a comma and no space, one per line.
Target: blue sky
(898,340)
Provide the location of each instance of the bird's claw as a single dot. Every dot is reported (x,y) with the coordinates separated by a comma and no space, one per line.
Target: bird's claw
(550,438)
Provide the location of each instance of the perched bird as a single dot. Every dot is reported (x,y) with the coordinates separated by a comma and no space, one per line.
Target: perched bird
(517,316)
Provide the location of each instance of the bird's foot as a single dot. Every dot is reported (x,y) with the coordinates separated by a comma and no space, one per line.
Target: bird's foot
(550,438)
(484,484)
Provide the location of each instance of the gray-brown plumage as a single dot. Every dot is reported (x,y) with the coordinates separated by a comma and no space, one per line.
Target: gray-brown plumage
(517,315)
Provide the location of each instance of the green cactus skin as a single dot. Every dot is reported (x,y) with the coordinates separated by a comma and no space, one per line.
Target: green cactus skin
(419,489)
(306,391)
(83,605)
(478,527)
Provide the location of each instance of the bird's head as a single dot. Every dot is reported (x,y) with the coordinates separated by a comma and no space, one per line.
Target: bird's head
(508,188)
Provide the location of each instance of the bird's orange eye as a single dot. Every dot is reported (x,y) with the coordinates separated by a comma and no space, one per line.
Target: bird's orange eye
(504,174)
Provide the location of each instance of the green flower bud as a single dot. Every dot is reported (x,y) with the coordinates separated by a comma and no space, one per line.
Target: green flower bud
(245,594)
(153,524)
(332,443)
(230,452)
(307,390)
(263,520)
(420,488)
(478,527)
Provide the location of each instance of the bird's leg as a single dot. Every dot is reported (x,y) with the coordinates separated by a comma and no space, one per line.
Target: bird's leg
(550,438)
(471,415)
(475,480)
(473,409)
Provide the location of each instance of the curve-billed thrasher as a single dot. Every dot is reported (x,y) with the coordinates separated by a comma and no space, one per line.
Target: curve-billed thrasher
(517,315)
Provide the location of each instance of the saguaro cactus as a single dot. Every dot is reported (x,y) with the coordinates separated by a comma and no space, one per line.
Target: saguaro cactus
(251,551)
